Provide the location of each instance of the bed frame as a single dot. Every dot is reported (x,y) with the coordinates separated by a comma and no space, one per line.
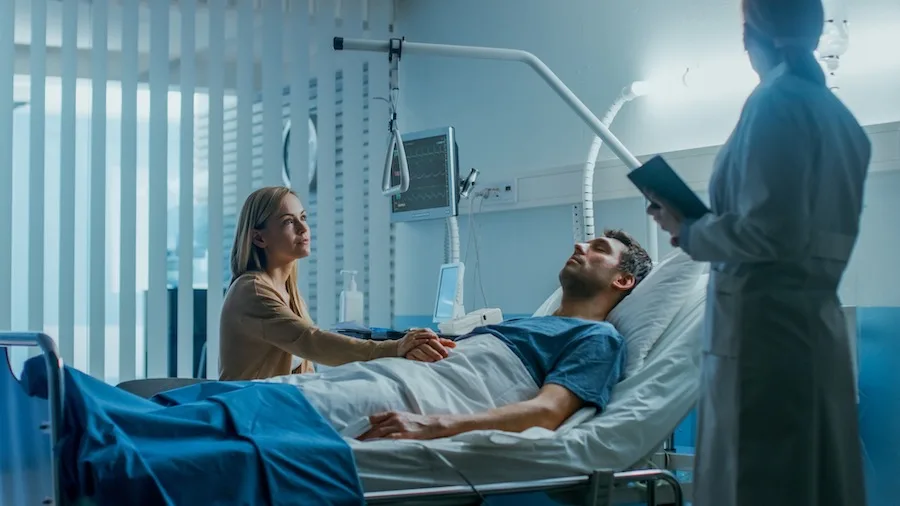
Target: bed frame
(653,486)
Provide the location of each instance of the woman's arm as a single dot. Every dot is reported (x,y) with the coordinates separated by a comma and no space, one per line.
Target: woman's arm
(281,327)
(771,219)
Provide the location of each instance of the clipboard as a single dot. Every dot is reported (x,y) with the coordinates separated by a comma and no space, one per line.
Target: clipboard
(657,178)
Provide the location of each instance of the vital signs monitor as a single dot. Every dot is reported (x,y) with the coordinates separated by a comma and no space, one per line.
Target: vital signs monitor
(433,176)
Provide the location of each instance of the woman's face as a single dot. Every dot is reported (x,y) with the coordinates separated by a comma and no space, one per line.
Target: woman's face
(285,236)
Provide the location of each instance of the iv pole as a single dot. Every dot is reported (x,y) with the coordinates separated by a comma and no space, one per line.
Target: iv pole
(395,49)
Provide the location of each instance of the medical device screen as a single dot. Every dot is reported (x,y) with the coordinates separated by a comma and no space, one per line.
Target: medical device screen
(433,180)
(448,284)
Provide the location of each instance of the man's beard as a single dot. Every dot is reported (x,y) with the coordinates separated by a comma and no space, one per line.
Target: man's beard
(578,285)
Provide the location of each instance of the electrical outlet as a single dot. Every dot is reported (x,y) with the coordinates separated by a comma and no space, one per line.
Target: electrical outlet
(501,192)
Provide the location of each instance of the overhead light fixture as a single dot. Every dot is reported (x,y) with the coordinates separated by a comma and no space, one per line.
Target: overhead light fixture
(639,89)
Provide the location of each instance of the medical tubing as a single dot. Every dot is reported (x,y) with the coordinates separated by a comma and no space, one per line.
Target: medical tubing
(487,53)
(587,194)
(453,243)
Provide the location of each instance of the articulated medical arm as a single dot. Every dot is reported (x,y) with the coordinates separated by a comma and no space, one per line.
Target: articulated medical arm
(395,49)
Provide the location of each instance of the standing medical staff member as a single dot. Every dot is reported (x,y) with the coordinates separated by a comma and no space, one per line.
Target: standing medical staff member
(777,415)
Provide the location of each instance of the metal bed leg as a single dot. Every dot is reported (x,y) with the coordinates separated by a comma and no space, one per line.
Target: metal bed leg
(599,490)
(651,492)
(55,391)
(651,476)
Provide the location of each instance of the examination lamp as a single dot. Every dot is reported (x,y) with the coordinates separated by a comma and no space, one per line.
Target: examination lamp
(395,48)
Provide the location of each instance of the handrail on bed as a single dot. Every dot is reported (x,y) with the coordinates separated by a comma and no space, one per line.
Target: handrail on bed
(55,386)
(573,483)
(595,483)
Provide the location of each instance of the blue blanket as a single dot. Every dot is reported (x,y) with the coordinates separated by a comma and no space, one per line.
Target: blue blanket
(211,443)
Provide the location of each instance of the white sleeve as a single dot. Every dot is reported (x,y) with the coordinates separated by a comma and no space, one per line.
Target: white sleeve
(772,216)
(295,362)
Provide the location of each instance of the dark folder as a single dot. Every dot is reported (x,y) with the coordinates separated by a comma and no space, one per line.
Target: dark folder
(656,178)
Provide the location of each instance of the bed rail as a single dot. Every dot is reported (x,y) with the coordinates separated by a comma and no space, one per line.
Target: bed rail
(55,391)
(596,489)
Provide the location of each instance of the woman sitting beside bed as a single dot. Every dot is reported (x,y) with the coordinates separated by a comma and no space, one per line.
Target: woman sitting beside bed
(265,323)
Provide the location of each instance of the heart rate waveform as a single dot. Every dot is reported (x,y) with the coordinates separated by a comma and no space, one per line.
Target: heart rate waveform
(430,176)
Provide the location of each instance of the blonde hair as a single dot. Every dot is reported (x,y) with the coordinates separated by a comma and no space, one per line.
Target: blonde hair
(246,256)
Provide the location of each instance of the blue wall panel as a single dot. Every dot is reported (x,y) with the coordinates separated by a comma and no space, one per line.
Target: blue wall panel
(879,403)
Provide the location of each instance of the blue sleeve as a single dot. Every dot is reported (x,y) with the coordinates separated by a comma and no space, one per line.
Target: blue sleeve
(590,368)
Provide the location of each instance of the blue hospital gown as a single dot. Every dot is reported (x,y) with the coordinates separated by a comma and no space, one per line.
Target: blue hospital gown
(586,357)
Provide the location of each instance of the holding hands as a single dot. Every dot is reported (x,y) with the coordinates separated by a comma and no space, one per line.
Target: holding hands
(424,345)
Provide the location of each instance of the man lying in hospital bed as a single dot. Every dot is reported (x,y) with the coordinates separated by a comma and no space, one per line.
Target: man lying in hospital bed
(247,434)
(531,372)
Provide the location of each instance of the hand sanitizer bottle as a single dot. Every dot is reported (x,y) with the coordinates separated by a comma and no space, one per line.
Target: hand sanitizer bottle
(351,300)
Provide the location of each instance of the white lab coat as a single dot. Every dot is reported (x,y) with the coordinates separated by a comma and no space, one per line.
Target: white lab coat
(778,415)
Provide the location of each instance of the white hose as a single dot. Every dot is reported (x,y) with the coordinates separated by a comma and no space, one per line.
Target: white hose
(453,230)
(587,194)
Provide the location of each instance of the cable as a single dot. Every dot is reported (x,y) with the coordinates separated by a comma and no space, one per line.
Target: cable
(473,238)
(479,278)
(454,468)
(469,237)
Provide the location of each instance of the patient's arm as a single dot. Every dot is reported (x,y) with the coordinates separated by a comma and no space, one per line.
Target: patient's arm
(549,409)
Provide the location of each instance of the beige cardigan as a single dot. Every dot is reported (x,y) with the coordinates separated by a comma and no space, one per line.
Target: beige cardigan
(259,332)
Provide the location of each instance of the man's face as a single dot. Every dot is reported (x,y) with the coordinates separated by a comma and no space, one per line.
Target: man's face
(594,267)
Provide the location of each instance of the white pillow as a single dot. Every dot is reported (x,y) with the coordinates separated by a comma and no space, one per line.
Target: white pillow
(643,316)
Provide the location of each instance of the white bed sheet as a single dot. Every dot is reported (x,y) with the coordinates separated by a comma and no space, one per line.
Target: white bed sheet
(482,373)
(644,410)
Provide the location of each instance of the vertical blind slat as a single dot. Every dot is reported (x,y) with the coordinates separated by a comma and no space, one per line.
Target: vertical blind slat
(97,269)
(157,306)
(326,229)
(379,218)
(216,114)
(66,337)
(128,195)
(185,317)
(37,117)
(299,81)
(245,73)
(7,61)
(272,93)
(354,256)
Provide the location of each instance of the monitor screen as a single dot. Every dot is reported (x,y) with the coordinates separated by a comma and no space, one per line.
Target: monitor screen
(433,179)
(448,284)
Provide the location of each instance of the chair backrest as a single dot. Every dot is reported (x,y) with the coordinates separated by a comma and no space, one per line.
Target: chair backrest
(147,388)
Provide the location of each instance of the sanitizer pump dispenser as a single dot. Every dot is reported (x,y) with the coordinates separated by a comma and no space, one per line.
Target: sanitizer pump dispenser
(351,300)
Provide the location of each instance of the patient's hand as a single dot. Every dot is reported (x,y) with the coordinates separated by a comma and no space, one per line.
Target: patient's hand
(424,345)
(399,425)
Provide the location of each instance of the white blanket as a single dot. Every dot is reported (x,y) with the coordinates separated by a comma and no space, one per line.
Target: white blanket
(481,373)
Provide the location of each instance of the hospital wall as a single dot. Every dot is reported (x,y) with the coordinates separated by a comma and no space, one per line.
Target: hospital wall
(510,124)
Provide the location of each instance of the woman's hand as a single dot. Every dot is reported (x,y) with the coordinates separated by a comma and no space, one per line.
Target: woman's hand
(424,345)
(668,218)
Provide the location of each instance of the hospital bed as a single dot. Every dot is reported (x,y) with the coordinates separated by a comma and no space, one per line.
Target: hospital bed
(622,456)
